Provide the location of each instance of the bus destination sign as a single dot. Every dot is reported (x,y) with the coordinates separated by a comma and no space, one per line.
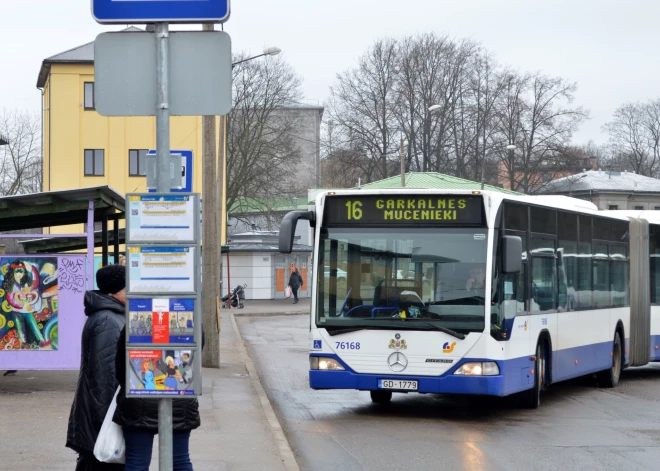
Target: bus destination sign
(385,210)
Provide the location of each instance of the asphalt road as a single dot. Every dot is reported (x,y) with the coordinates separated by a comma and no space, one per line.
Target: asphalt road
(577,427)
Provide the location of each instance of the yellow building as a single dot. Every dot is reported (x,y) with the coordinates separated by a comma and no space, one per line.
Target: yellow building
(81,148)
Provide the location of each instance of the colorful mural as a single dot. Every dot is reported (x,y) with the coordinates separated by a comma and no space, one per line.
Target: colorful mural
(29,303)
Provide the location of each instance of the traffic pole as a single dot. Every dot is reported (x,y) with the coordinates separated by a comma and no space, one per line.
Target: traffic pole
(165,447)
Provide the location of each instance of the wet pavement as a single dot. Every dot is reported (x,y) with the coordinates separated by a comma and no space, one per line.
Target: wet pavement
(577,427)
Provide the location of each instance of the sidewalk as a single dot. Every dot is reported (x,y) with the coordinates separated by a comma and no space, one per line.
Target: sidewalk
(239,428)
(269,307)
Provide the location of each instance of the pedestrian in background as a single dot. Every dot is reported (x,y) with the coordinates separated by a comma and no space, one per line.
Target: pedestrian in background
(139,421)
(97,382)
(295,282)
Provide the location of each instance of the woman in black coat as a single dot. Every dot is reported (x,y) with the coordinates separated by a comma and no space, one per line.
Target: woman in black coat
(139,420)
(97,383)
(295,282)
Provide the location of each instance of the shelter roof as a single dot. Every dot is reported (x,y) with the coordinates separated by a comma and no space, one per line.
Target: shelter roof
(68,244)
(59,208)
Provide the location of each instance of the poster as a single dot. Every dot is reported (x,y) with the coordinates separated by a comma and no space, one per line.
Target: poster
(169,218)
(29,303)
(161,269)
(160,320)
(161,372)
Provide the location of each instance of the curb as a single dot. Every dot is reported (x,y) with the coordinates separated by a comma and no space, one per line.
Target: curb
(269,314)
(286,453)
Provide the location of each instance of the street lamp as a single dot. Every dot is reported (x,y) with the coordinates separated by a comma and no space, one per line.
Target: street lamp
(434,108)
(222,163)
(512,175)
(269,51)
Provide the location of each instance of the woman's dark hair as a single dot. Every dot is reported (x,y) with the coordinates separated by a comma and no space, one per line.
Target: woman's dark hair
(8,283)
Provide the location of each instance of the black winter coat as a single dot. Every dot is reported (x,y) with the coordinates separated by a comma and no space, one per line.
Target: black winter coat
(295,280)
(143,413)
(97,383)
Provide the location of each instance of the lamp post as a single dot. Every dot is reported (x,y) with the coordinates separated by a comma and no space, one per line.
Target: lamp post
(434,109)
(269,51)
(512,175)
(213,208)
(222,162)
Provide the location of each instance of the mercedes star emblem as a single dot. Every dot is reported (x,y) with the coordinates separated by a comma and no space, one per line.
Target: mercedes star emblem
(397,362)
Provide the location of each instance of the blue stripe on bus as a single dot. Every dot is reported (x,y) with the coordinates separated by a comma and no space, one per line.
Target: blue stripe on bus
(515,374)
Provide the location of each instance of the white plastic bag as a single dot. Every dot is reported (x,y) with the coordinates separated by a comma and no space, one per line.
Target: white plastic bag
(288,292)
(110,446)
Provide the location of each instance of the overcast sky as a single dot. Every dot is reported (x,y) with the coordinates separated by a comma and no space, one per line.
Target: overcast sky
(609,47)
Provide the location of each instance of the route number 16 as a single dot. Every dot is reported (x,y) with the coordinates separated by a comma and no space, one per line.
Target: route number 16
(354,211)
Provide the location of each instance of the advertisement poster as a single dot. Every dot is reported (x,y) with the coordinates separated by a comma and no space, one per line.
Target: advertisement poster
(161,320)
(29,306)
(168,218)
(161,372)
(161,270)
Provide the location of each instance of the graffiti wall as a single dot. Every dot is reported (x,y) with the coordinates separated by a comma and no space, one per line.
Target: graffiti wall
(29,304)
(41,297)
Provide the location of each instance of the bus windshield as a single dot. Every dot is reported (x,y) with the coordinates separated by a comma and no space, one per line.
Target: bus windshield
(402,278)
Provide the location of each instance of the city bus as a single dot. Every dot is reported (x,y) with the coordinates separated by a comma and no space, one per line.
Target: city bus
(476,292)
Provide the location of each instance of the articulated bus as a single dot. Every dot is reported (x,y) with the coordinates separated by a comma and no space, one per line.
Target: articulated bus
(476,292)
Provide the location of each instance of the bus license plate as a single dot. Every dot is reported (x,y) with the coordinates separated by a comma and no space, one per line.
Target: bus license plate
(397,384)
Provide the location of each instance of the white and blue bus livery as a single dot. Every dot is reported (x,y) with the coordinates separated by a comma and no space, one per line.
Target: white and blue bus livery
(476,292)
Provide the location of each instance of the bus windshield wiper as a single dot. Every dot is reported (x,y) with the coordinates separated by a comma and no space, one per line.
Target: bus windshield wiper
(337,331)
(453,333)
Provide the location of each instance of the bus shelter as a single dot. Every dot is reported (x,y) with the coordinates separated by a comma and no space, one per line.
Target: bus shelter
(42,290)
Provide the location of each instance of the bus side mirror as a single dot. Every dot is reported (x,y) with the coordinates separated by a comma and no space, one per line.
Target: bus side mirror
(288,228)
(511,254)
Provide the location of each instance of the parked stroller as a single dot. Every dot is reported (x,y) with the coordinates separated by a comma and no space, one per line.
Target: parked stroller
(237,297)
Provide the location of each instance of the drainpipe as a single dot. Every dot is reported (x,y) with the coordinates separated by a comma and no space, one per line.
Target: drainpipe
(42,138)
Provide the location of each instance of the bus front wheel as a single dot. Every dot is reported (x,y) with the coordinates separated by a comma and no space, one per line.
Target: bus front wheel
(531,399)
(609,378)
(381,397)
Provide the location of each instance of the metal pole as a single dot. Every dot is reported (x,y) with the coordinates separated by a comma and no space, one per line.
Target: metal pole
(165,450)
(210,240)
(403,166)
(483,166)
(228,284)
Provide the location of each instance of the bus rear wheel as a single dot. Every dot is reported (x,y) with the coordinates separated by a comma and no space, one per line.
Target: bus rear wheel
(532,399)
(381,397)
(609,378)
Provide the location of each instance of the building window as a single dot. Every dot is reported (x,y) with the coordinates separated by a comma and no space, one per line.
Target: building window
(639,208)
(89,96)
(137,162)
(94,162)
(613,207)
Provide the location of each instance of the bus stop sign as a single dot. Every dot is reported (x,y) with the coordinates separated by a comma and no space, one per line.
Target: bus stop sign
(169,11)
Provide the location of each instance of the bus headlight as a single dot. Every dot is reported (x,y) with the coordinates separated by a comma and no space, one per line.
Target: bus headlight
(486,368)
(323,363)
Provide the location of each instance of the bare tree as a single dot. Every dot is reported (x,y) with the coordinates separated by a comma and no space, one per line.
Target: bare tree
(362,106)
(539,120)
(261,147)
(478,108)
(634,137)
(21,167)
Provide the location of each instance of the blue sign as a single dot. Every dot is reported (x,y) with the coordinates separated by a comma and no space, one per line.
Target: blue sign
(155,11)
(186,170)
